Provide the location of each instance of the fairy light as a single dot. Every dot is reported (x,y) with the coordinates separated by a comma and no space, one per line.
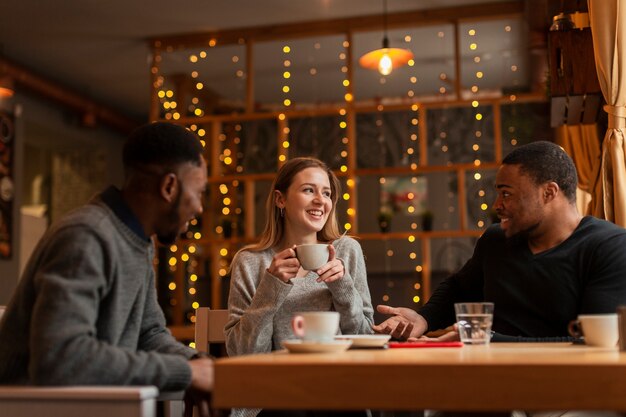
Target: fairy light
(343,125)
(478,116)
(443,77)
(176,110)
(286,88)
(413,135)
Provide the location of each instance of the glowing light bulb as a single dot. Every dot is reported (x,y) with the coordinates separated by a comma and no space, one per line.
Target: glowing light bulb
(385,65)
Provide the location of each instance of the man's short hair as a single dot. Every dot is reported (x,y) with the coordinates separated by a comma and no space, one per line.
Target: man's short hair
(543,162)
(161,145)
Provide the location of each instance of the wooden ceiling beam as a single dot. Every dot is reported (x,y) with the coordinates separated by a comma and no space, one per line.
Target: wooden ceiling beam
(338,26)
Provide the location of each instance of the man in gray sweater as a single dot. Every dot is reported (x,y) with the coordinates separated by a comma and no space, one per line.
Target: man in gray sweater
(85,311)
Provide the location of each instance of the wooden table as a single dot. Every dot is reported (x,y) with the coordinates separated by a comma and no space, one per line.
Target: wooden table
(537,376)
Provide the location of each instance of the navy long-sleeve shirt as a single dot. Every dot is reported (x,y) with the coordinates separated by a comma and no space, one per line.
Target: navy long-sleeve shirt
(537,295)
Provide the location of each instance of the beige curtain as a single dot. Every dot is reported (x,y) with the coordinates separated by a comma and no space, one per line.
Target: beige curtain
(607,18)
(581,142)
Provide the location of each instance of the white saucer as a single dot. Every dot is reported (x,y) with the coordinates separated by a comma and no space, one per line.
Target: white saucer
(365,340)
(300,346)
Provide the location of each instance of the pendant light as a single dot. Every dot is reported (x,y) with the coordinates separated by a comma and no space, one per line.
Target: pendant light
(385,59)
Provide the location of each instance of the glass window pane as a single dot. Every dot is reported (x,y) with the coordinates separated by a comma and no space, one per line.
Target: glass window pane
(314,68)
(204,81)
(319,137)
(249,147)
(460,135)
(228,200)
(387,139)
(524,123)
(397,203)
(394,272)
(498,63)
(481,194)
(443,200)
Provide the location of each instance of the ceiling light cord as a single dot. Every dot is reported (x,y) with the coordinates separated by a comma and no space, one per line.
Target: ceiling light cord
(385,38)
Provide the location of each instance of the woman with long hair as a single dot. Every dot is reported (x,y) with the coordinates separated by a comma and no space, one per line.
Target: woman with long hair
(268,285)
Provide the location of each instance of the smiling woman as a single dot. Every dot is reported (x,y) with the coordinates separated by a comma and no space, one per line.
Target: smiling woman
(269,284)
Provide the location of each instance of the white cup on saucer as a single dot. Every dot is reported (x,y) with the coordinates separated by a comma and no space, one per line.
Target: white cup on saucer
(316,326)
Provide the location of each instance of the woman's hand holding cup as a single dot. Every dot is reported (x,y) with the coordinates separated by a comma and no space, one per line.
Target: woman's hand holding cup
(332,270)
(285,264)
(320,258)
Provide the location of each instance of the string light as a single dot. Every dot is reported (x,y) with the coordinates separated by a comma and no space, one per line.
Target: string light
(174,109)
(286,88)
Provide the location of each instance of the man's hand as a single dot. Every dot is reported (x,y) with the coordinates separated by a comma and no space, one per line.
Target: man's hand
(450,334)
(405,323)
(199,393)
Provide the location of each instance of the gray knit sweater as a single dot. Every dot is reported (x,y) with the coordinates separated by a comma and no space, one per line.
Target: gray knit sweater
(85,311)
(261,305)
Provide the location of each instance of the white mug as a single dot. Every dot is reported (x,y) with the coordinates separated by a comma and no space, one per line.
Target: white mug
(312,256)
(316,326)
(597,329)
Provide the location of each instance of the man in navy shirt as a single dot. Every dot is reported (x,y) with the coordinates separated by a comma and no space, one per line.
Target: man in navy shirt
(541,266)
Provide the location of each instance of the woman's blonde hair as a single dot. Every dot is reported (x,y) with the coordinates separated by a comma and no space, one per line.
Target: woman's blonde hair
(275,223)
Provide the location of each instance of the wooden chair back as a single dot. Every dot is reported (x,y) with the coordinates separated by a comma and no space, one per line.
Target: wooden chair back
(210,328)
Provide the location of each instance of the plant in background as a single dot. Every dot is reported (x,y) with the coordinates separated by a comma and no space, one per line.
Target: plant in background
(385,214)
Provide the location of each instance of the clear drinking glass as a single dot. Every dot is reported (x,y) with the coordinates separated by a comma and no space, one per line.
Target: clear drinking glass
(474,321)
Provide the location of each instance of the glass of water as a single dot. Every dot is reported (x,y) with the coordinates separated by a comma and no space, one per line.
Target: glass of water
(474,321)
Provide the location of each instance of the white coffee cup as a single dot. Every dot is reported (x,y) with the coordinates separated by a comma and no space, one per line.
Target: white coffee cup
(597,329)
(312,256)
(316,326)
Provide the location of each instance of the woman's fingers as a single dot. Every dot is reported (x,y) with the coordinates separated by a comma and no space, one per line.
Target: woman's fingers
(331,253)
(332,271)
